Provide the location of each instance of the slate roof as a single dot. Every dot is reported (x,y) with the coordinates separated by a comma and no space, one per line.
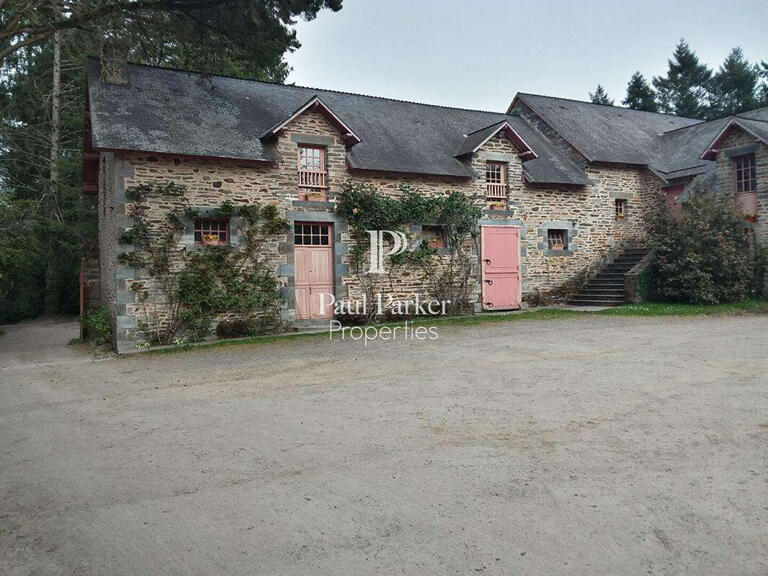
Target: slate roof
(671,146)
(605,133)
(176,112)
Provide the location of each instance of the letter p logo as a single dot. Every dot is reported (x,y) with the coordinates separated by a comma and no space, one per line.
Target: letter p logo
(399,244)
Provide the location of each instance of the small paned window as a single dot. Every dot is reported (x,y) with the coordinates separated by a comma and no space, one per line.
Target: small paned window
(557,239)
(621,209)
(311,234)
(434,236)
(746,173)
(495,180)
(212,231)
(312,167)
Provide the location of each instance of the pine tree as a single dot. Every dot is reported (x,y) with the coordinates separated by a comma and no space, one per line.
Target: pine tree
(683,91)
(599,96)
(640,95)
(734,86)
(762,92)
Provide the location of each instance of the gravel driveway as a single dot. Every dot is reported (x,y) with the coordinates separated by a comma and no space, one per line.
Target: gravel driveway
(579,446)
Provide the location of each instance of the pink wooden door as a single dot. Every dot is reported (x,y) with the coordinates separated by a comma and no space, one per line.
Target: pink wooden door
(500,247)
(313,259)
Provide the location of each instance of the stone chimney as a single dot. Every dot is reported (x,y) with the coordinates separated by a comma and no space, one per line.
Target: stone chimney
(114,62)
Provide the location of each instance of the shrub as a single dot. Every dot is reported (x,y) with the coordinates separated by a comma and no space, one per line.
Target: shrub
(705,256)
(97,324)
(349,319)
(235,328)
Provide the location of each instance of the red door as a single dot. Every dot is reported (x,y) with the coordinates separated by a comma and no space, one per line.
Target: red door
(313,259)
(500,247)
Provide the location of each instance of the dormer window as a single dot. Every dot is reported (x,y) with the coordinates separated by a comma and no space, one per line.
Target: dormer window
(312,172)
(746,173)
(495,181)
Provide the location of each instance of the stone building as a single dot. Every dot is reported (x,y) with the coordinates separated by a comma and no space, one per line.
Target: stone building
(564,185)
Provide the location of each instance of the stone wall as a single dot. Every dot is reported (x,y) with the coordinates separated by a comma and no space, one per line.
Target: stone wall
(588,213)
(108,237)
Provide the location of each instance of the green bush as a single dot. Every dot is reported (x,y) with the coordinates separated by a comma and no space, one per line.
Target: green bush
(236,328)
(705,256)
(97,325)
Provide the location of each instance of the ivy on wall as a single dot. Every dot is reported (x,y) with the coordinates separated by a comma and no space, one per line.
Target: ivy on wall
(189,289)
(447,272)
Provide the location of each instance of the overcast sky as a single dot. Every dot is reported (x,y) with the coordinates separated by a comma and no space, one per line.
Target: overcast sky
(479,53)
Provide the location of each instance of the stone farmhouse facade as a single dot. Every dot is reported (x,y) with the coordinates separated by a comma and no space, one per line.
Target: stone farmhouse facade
(572,181)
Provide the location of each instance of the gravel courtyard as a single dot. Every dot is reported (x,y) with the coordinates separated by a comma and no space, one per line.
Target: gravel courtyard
(579,446)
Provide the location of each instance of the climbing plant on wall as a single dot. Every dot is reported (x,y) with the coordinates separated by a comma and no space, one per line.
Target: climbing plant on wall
(234,281)
(447,272)
(187,290)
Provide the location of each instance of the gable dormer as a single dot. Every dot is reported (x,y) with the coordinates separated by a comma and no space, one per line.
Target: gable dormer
(315,104)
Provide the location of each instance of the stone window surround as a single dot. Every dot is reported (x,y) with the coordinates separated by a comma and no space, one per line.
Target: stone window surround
(571,230)
(628,196)
(187,239)
(625,210)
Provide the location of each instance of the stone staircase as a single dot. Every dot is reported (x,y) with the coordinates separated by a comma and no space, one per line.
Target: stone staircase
(607,288)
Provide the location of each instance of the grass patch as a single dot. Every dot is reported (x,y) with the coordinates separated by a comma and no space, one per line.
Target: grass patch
(660,309)
(2,331)
(647,309)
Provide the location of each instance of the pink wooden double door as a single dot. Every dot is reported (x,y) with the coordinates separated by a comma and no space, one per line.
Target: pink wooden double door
(500,262)
(313,260)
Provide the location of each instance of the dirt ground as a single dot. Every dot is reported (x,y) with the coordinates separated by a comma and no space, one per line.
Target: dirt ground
(579,446)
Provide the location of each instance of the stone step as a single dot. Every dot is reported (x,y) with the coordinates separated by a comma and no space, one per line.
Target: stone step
(598,296)
(626,261)
(618,290)
(577,302)
(610,275)
(617,268)
(607,287)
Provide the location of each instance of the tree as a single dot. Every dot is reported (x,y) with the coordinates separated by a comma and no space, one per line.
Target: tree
(762,93)
(734,87)
(253,26)
(46,222)
(599,96)
(640,95)
(683,91)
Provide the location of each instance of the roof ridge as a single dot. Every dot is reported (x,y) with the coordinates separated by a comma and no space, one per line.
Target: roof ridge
(202,74)
(692,125)
(700,120)
(751,119)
